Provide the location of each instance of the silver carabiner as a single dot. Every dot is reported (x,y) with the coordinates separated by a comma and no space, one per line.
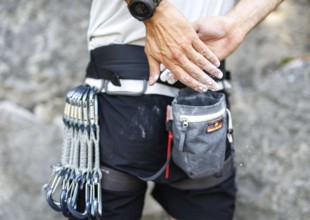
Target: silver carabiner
(50,188)
(66,191)
(72,201)
(97,198)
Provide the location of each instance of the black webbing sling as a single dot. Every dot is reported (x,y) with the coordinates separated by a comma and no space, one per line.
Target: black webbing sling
(115,62)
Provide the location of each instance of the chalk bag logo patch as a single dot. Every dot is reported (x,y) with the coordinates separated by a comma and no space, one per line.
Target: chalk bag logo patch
(214,125)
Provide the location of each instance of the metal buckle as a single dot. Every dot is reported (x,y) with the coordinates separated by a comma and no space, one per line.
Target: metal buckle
(111,89)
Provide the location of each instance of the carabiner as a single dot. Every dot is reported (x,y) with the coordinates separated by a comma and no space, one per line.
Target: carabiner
(97,199)
(66,190)
(89,195)
(72,201)
(49,189)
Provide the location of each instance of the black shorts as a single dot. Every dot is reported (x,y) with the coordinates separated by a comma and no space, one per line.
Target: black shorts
(133,140)
(215,203)
(133,135)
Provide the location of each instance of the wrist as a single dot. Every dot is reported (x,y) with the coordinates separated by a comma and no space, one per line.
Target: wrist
(247,14)
(159,13)
(235,26)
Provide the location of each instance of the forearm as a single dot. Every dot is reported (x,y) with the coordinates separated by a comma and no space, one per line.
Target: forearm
(171,40)
(248,13)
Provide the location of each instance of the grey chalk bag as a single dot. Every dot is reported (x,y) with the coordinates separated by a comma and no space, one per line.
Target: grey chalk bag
(201,125)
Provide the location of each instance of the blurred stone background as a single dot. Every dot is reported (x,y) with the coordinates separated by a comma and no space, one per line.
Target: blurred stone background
(44,54)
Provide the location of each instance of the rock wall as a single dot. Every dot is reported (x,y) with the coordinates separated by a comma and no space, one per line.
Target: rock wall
(44,54)
(272,145)
(271,116)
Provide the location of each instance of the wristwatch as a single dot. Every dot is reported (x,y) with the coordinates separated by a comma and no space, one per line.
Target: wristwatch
(142,9)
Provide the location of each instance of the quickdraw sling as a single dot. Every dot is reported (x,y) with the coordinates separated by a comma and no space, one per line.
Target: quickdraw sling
(79,169)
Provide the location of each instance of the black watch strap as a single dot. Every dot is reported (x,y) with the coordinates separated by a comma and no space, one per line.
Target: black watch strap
(143,9)
(158,1)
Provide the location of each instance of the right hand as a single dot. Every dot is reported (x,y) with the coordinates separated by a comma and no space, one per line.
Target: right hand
(172,41)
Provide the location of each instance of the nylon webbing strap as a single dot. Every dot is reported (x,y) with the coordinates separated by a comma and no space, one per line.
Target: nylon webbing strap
(118,181)
(115,180)
(158,173)
(98,72)
(79,168)
(114,62)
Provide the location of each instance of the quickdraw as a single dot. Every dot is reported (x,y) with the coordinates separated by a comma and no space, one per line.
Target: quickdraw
(79,168)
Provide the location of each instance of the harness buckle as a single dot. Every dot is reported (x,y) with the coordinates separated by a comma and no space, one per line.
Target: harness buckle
(137,87)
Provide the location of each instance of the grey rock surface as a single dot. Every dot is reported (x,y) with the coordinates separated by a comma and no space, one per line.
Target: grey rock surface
(27,149)
(272,145)
(42,43)
(44,54)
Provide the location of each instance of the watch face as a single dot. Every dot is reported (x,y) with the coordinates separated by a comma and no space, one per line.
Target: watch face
(140,9)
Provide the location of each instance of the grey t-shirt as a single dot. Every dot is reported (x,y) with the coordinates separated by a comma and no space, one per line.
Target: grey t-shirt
(111,23)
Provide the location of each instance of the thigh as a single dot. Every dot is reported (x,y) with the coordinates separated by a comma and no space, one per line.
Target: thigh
(122,196)
(120,205)
(217,202)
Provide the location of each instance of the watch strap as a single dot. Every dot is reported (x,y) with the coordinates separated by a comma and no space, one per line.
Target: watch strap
(157,2)
(143,11)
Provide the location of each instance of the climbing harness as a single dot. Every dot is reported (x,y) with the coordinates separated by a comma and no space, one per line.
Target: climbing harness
(79,169)
(75,185)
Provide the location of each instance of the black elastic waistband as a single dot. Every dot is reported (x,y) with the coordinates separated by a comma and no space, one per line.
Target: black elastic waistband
(116,62)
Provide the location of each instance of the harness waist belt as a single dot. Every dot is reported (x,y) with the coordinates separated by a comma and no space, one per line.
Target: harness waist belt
(115,62)
(135,87)
(132,87)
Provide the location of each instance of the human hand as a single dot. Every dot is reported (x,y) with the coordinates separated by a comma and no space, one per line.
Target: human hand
(219,34)
(223,34)
(172,41)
